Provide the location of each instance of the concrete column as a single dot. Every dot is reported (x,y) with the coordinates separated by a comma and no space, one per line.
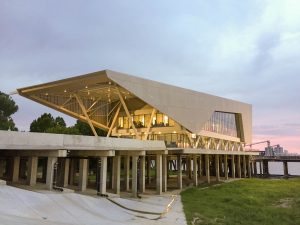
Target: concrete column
(255,168)
(134,175)
(2,166)
(285,169)
(266,167)
(164,173)
(142,174)
(260,168)
(249,166)
(32,170)
(103,174)
(195,170)
(116,173)
(226,167)
(217,167)
(66,172)
(50,172)
(244,166)
(207,168)
(239,169)
(158,164)
(72,171)
(127,171)
(200,170)
(148,169)
(83,172)
(179,171)
(16,169)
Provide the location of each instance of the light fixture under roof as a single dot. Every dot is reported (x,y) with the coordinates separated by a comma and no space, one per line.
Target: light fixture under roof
(86,86)
(65,90)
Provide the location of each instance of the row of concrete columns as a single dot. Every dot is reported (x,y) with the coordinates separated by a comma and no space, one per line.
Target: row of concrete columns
(263,166)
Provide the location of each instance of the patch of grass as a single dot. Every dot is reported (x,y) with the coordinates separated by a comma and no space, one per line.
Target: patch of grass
(247,201)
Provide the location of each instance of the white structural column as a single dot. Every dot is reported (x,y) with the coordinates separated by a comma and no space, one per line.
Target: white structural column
(179,171)
(226,166)
(134,175)
(232,166)
(239,170)
(16,169)
(244,166)
(158,164)
(103,174)
(164,172)
(116,173)
(249,167)
(127,171)
(50,172)
(66,172)
(149,124)
(148,169)
(217,167)
(83,172)
(207,168)
(32,170)
(195,170)
(114,121)
(142,174)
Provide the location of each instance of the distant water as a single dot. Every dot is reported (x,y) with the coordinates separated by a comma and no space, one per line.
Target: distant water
(276,168)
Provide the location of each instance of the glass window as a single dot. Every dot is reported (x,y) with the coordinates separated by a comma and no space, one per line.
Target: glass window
(121,122)
(126,122)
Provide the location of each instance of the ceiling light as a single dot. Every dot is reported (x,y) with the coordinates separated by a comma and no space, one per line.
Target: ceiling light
(65,90)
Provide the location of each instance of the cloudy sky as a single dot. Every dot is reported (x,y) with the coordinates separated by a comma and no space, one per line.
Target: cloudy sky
(244,50)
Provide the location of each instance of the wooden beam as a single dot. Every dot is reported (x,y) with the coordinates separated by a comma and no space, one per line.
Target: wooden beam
(149,124)
(127,112)
(85,114)
(114,121)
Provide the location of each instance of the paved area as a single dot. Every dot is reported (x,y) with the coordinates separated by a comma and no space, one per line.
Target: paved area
(19,206)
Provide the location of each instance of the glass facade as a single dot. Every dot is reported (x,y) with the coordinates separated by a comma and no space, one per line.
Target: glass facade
(172,140)
(140,121)
(222,123)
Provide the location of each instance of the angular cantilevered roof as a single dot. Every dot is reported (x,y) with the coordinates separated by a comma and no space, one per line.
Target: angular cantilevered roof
(189,108)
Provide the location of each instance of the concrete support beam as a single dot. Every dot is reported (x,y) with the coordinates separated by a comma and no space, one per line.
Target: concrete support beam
(232,166)
(164,173)
(32,170)
(158,164)
(134,175)
(179,171)
(116,173)
(83,173)
(103,174)
(50,172)
(239,169)
(249,167)
(127,171)
(66,172)
(16,169)
(285,168)
(226,167)
(195,170)
(207,168)
(142,174)
(244,166)
(217,167)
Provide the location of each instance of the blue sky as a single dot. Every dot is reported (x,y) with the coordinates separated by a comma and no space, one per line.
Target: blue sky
(244,50)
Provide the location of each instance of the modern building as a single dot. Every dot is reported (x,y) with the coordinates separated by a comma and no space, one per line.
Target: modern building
(182,135)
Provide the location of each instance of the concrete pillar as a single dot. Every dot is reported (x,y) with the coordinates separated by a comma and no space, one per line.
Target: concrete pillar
(142,174)
(164,173)
(260,168)
(179,171)
(226,166)
(2,167)
(285,169)
(50,172)
(66,172)
(32,170)
(134,175)
(148,169)
(249,166)
(103,174)
(255,168)
(207,168)
(200,170)
(217,167)
(83,172)
(116,173)
(232,166)
(265,167)
(244,167)
(16,169)
(158,164)
(239,169)
(195,170)
(127,171)
(72,171)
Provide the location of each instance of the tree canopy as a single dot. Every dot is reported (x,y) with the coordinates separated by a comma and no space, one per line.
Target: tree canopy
(7,108)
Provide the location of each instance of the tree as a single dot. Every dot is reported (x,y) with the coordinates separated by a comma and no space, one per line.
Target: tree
(7,108)
(85,129)
(41,124)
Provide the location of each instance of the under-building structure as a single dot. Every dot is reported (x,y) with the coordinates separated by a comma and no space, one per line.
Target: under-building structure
(158,136)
